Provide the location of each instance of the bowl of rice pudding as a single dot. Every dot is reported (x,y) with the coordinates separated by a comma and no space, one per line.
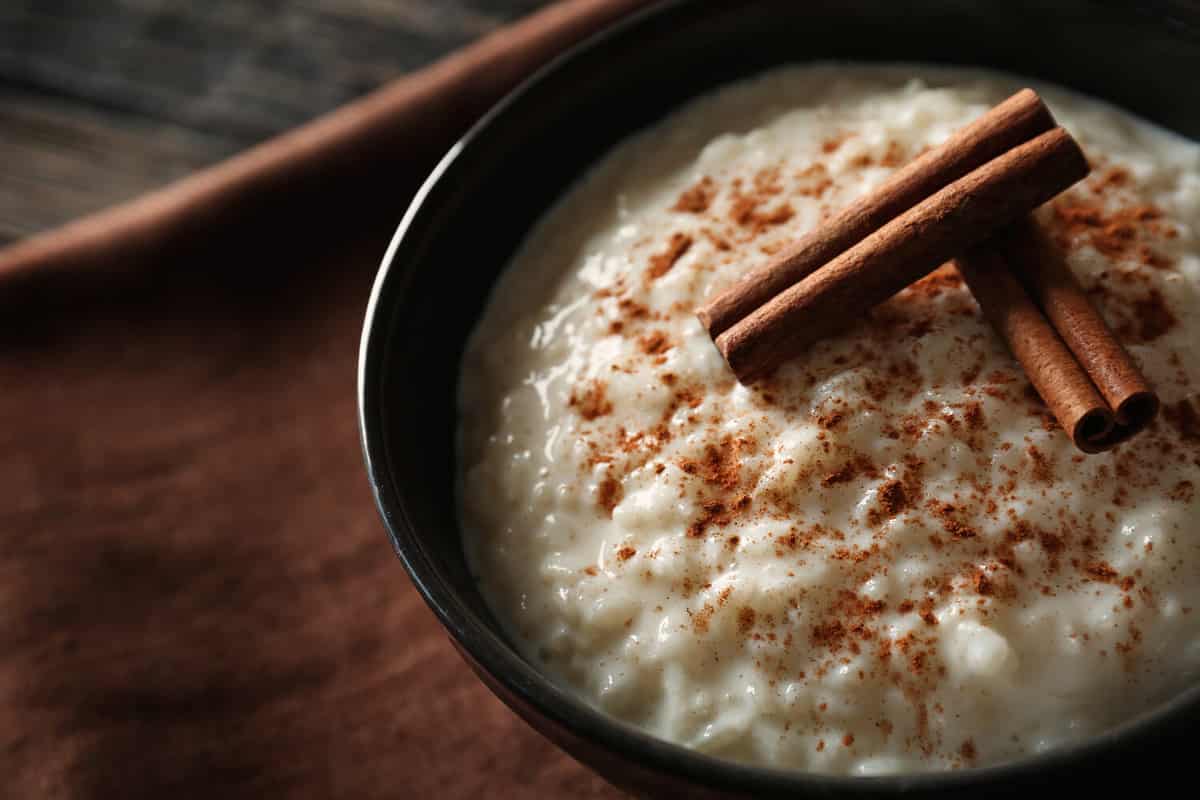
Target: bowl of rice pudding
(882,568)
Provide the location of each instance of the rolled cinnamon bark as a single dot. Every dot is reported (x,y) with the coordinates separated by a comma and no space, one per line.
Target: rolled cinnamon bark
(1047,361)
(1015,121)
(936,229)
(1037,262)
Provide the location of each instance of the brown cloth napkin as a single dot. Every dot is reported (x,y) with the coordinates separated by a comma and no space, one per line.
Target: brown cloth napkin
(196,597)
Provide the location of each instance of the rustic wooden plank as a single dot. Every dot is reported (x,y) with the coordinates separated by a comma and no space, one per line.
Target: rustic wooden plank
(101,100)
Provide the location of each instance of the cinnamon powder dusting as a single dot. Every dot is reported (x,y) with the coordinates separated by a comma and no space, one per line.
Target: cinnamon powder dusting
(661,263)
(721,462)
(1152,317)
(1101,571)
(892,498)
(717,513)
(654,343)
(1115,233)
(697,198)
(745,618)
(747,210)
(1182,416)
(608,494)
(1042,471)
(592,402)
(831,145)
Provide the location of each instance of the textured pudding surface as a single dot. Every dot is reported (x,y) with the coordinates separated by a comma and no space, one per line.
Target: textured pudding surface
(886,557)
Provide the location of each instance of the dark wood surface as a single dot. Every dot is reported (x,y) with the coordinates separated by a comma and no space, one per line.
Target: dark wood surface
(101,100)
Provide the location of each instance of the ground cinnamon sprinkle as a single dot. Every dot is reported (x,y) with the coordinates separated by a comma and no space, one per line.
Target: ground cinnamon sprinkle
(687,396)
(858,465)
(746,618)
(1051,543)
(828,634)
(973,415)
(1183,492)
(894,156)
(718,241)
(696,199)
(1115,233)
(844,474)
(926,611)
(766,181)
(717,513)
(944,513)
(967,751)
(944,278)
(831,144)
(1183,418)
(654,343)
(608,494)
(626,553)
(830,420)
(1101,571)
(892,498)
(661,263)
(632,310)
(1152,318)
(814,181)
(593,401)
(720,464)
(745,212)
(1042,471)
(1112,177)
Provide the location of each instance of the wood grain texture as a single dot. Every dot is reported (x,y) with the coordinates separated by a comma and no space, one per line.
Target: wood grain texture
(101,100)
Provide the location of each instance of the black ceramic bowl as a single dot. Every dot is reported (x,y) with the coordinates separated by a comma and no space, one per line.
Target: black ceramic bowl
(481,200)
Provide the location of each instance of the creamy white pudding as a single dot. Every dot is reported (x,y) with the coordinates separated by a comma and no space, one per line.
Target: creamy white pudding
(886,557)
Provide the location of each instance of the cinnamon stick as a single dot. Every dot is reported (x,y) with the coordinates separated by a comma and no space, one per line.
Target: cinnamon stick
(950,221)
(1018,119)
(1038,263)
(1047,361)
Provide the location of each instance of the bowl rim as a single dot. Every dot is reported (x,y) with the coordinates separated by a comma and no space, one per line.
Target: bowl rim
(487,650)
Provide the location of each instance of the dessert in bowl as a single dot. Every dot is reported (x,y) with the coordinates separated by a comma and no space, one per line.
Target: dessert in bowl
(883,558)
(886,556)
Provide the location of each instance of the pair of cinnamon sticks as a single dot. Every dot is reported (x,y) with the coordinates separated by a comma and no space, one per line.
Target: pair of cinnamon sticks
(1028,294)
(967,200)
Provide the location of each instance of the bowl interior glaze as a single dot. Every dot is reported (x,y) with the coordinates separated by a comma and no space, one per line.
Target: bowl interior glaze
(483,198)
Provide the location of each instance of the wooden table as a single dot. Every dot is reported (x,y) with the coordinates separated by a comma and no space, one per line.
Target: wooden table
(101,100)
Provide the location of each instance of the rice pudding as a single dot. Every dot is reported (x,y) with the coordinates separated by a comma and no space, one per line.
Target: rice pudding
(886,557)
